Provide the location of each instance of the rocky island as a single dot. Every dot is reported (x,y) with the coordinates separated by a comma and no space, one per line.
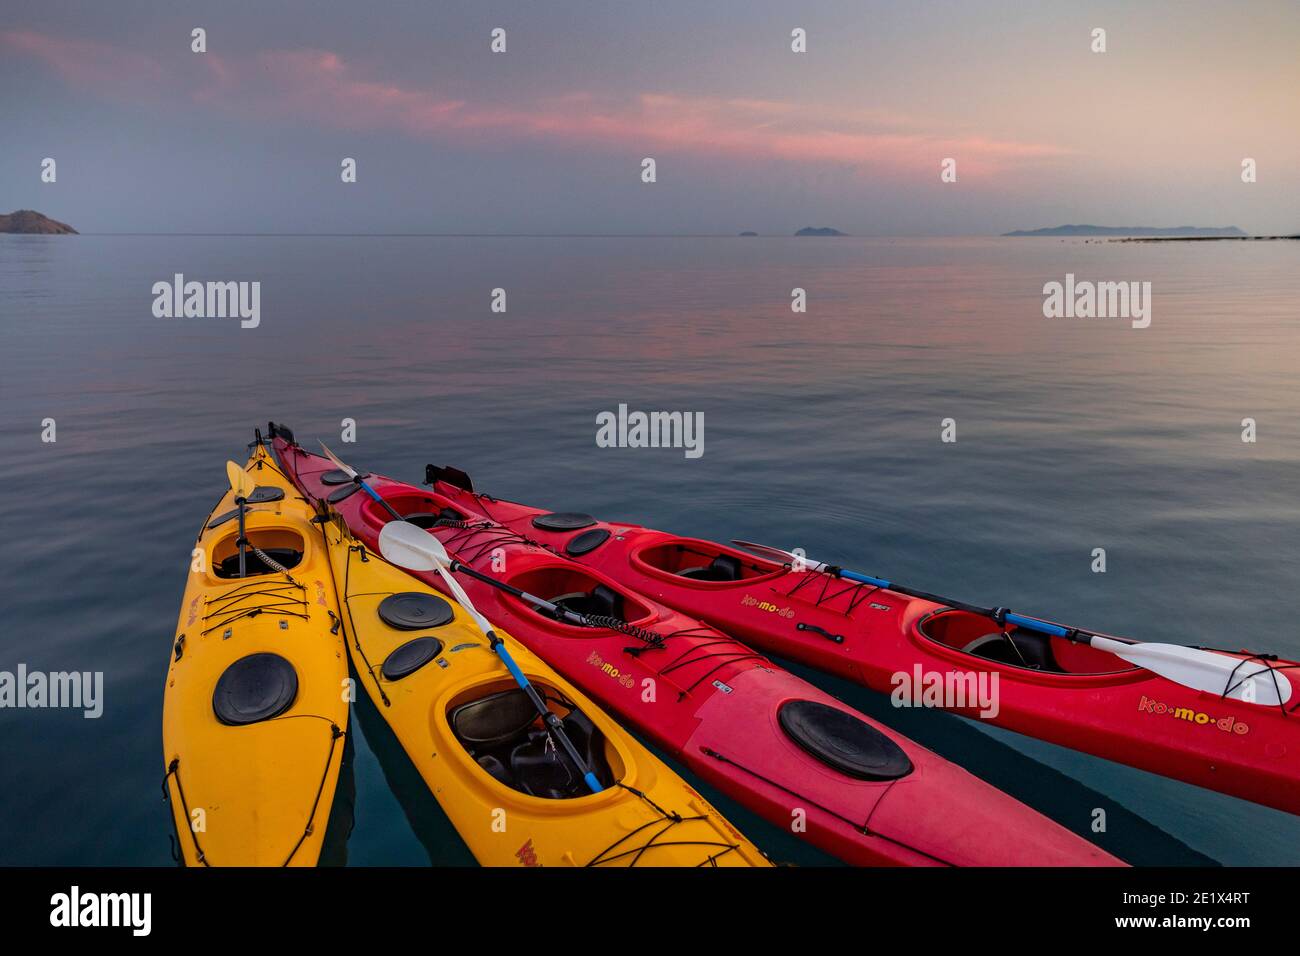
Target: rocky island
(822,231)
(29,222)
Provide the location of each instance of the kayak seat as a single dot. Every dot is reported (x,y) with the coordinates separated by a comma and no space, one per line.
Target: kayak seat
(1030,650)
(229,567)
(493,720)
(722,568)
(503,733)
(599,601)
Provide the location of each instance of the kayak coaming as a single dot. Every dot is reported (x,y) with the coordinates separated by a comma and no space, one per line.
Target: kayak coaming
(1109,713)
(503,826)
(264,789)
(938,814)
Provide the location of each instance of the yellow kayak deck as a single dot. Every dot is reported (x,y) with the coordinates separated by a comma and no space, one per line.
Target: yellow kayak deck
(256,702)
(481,748)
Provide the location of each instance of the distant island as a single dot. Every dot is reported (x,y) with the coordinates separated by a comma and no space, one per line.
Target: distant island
(823,231)
(1207,232)
(29,222)
(749,234)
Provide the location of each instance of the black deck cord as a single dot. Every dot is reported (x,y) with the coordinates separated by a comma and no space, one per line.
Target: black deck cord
(729,657)
(637,852)
(652,639)
(1006,635)
(1264,659)
(862,828)
(273,603)
(271,597)
(336,734)
(347,606)
(174,770)
(859,591)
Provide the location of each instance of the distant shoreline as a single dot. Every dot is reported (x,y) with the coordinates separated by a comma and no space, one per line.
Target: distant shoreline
(1205,238)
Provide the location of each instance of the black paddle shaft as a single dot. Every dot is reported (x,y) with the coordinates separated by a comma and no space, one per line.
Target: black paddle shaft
(242,503)
(553,723)
(573,617)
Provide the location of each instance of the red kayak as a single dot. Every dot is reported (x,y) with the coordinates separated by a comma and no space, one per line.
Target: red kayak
(766,738)
(1052,686)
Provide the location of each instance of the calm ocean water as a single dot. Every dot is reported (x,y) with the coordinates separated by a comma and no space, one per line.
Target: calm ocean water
(821,430)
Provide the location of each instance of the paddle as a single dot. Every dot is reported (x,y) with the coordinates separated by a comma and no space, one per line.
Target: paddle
(240,480)
(411,547)
(360,481)
(1189,666)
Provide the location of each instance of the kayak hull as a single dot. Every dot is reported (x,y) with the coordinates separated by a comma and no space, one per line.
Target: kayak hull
(1074,696)
(718,706)
(256,793)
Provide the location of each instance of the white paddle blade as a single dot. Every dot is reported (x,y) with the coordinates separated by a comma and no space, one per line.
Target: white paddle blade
(777,554)
(407,546)
(1248,681)
(764,550)
(338,464)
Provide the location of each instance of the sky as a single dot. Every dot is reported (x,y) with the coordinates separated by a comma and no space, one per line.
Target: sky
(549,136)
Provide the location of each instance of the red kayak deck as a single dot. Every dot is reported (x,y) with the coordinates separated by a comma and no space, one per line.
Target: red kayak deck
(768,739)
(1049,688)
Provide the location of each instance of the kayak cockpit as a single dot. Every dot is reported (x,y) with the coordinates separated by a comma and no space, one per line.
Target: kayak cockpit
(978,636)
(281,545)
(701,561)
(502,732)
(574,590)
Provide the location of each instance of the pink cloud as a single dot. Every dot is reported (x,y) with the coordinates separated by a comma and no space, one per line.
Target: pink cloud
(319,88)
(85,64)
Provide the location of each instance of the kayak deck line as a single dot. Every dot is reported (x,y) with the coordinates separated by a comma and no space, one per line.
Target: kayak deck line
(266,597)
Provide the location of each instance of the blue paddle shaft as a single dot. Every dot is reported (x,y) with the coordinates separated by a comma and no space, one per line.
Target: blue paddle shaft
(1020,620)
(499,646)
(865,579)
(374,494)
(1033,624)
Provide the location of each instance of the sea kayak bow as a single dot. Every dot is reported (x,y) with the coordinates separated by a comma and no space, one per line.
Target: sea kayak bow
(768,739)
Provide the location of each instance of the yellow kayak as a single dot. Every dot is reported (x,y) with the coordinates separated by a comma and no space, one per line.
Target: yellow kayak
(256,704)
(477,740)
